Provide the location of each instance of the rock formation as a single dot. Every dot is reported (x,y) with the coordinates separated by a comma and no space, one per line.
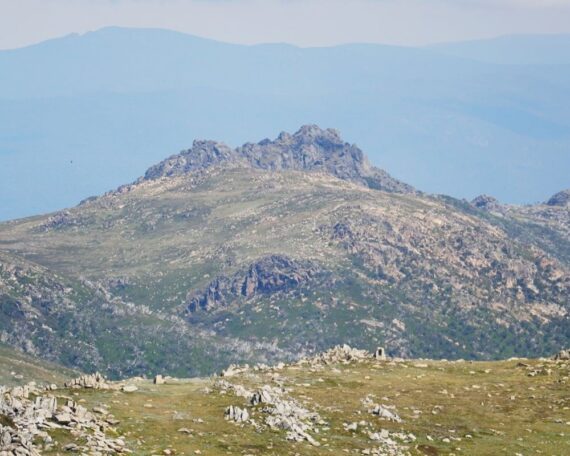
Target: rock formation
(309,149)
(560,199)
(29,418)
(267,275)
(279,411)
(486,203)
(93,381)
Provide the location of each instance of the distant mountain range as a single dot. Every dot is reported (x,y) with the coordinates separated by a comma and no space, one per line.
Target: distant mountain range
(82,114)
(276,249)
(512,50)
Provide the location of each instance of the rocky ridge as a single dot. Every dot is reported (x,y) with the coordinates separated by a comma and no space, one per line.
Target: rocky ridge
(309,149)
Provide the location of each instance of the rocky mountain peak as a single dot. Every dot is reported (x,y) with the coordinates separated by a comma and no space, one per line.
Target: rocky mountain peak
(314,132)
(309,149)
(310,133)
(560,199)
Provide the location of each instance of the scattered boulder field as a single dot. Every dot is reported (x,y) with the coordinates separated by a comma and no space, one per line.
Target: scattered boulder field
(342,401)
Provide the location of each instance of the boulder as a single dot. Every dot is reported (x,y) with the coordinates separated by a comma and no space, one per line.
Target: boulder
(63,418)
(385,413)
(380,354)
(129,388)
(236,414)
(563,355)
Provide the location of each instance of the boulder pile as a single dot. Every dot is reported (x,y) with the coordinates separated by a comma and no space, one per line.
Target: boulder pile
(286,414)
(93,381)
(389,443)
(385,412)
(279,411)
(22,420)
(13,442)
(340,354)
(27,413)
(344,354)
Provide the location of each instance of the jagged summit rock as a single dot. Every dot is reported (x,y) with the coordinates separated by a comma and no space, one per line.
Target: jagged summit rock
(486,203)
(203,154)
(560,199)
(309,149)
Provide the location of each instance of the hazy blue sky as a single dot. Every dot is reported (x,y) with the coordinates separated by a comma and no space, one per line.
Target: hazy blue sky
(302,22)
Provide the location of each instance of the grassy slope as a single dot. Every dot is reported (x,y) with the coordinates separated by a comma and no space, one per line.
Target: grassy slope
(182,223)
(483,408)
(172,237)
(17,369)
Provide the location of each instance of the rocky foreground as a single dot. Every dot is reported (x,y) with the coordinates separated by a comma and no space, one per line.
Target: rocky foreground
(342,401)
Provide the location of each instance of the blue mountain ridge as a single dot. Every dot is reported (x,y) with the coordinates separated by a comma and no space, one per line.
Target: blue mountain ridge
(82,114)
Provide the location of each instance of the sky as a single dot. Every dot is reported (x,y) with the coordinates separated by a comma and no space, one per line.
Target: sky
(300,22)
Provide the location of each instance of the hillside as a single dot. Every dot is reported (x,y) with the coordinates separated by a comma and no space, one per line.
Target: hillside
(341,401)
(278,249)
(110,103)
(18,369)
